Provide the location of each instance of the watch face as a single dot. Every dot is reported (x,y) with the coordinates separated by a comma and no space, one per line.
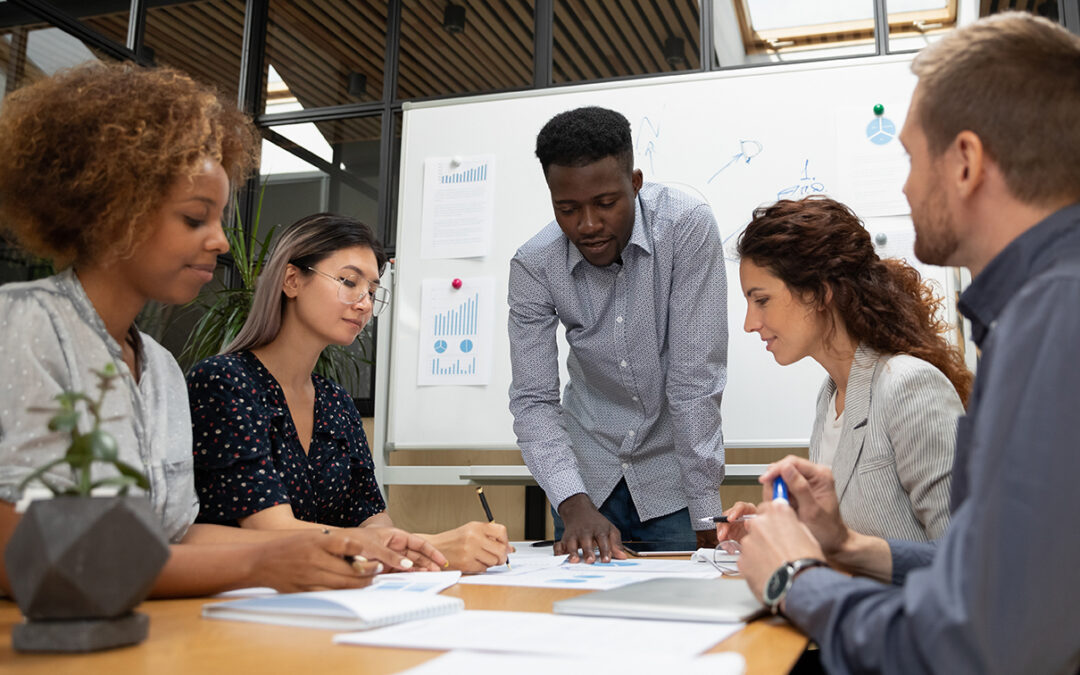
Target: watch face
(777,583)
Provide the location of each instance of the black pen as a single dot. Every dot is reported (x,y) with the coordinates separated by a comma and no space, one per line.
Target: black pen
(487,512)
(725,519)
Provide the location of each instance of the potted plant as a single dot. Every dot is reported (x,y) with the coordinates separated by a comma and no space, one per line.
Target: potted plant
(78,563)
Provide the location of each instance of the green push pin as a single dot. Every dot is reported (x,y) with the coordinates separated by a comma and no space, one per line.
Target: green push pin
(879,109)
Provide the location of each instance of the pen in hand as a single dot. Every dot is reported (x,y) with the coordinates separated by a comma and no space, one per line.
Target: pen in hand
(487,512)
(725,519)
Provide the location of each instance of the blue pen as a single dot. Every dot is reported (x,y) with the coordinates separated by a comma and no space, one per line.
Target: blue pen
(779,490)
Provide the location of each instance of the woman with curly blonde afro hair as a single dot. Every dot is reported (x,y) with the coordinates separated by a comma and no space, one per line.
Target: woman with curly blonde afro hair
(121,175)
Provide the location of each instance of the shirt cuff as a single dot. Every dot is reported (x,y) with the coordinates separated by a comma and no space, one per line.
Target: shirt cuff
(706,507)
(908,556)
(563,485)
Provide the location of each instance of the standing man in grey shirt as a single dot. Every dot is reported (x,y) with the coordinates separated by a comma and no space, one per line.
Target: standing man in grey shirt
(994,141)
(635,273)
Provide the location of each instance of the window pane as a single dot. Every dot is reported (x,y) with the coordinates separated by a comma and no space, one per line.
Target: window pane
(771,31)
(325,53)
(339,174)
(202,39)
(600,39)
(913,24)
(465,47)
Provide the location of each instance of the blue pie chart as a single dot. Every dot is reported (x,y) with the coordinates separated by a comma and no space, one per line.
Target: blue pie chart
(881,130)
(466,346)
(440,346)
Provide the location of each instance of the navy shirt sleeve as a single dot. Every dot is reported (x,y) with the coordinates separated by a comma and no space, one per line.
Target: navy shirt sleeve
(235,476)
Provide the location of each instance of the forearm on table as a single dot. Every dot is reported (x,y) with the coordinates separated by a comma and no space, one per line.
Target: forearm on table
(206,569)
(865,556)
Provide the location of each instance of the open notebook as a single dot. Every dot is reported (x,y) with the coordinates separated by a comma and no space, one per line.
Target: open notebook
(718,600)
(357,609)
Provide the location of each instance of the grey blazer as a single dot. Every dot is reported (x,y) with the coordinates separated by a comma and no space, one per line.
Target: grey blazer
(893,463)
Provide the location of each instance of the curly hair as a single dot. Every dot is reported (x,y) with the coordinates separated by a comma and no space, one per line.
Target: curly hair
(817,245)
(583,136)
(87,155)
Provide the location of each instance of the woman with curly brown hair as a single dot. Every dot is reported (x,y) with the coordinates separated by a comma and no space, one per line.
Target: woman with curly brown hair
(121,176)
(886,415)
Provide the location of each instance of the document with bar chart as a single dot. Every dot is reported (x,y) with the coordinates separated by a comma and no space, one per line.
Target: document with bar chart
(459,207)
(456,331)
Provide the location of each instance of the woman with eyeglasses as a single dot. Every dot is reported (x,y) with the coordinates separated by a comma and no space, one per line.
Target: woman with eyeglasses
(280,447)
(120,176)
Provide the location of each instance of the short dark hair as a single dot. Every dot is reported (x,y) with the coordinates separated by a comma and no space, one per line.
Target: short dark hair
(583,136)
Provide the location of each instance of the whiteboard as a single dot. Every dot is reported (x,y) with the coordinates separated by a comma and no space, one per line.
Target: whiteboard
(736,139)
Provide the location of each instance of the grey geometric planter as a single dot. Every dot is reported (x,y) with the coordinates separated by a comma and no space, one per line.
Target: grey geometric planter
(78,566)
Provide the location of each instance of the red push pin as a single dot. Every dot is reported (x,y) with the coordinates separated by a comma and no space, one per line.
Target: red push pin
(456,283)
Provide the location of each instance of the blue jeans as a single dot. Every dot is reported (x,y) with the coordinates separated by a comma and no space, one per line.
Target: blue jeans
(620,510)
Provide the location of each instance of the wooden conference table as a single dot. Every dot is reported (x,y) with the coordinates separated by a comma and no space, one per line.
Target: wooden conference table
(182,642)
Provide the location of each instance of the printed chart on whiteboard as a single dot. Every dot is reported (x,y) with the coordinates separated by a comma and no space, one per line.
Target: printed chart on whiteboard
(456,318)
(459,207)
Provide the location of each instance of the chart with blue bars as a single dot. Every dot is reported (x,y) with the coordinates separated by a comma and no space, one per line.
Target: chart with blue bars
(456,327)
(455,331)
(477,174)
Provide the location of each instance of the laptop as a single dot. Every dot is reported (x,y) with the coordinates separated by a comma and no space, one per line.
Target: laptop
(709,600)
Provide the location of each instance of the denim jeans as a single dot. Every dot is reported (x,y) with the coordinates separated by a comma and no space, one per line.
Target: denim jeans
(620,510)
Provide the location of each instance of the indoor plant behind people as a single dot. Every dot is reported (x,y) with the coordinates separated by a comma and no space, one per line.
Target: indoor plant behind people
(78,563)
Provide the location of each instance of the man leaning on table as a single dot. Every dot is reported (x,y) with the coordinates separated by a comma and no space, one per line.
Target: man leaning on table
(635,272)
(994,138)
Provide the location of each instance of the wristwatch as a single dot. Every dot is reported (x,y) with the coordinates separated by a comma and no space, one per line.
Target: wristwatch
(780,582)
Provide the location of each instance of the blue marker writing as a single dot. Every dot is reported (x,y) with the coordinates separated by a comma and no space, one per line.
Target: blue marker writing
(779,490)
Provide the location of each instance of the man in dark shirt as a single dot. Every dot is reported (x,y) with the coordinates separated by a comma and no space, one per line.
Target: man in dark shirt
(994,138)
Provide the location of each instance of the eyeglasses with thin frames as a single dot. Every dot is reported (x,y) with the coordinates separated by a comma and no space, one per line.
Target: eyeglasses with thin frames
(353,287)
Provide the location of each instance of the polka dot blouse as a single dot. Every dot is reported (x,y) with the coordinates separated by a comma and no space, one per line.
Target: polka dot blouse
(248,455)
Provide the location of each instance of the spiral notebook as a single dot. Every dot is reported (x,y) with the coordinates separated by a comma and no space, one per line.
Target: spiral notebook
(357,609)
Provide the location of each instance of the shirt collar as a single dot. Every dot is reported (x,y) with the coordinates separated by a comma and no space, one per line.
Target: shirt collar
(69,284)
(1024,257)
(638,237)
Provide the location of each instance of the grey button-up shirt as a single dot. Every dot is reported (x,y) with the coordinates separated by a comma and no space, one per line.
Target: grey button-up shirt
(647,362)
(51,340)
(999,593)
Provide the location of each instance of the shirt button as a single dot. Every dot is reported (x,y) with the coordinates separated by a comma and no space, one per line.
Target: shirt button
(622,364)
(633,398)
(630,433)
(618,319)
(625,465)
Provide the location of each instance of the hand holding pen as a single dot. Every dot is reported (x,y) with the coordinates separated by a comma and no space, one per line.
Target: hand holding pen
(490,517)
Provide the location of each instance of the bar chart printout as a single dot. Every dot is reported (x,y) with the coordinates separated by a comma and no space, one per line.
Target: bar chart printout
(456,332)
(459,207)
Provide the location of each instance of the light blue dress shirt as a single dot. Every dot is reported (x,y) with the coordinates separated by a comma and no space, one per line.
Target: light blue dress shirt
(647,362)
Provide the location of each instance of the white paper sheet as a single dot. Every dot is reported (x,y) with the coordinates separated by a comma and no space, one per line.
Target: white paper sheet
(419,582)
(471,663)
(459,207)
(456,327)
(542,633)
(872,164)
(554,573)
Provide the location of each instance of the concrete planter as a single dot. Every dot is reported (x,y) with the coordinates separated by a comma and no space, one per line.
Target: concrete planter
(78,566)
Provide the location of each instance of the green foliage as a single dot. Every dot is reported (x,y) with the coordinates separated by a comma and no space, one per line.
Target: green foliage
(96,445)
(225,310)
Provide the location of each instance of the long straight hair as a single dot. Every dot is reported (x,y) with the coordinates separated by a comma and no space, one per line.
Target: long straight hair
(303,244)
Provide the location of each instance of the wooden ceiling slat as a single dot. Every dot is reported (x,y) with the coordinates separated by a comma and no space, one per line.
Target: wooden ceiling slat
(628,34)
(517,41)
(594,25)
(613,27)
(303,67)
(653,31)
(691,17)
(465,47)
(420,39)
(369,29)
(426,75)
(595,62)
(171,32)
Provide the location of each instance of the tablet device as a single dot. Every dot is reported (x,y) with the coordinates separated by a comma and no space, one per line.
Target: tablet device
(678,599)
(648,548)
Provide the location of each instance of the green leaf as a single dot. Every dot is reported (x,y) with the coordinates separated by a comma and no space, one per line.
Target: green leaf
(66,420)
(131,472)
(103,446)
